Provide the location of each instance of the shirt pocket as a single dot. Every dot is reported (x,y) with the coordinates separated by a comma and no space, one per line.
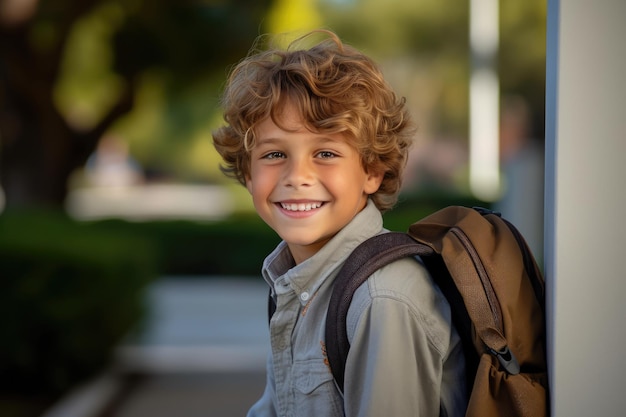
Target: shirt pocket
(315,391)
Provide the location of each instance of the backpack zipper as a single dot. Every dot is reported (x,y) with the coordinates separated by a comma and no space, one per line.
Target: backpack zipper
(505,356)
(494,306)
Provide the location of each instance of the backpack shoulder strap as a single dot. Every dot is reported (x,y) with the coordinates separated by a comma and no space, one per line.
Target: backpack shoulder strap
(367,258)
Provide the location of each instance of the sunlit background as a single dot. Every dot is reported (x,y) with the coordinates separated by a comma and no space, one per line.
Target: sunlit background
(109,180)
(125,95)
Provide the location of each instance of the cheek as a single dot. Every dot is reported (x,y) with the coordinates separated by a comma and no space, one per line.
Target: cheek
(253,178)
(357,178)
(260,183)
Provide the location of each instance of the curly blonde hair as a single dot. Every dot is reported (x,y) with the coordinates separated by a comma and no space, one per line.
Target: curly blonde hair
(336,88)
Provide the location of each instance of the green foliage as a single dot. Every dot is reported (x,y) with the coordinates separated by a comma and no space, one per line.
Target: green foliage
(522,56)
(177,53)
(76,69)
(69,293)
(236,246)
(401,27)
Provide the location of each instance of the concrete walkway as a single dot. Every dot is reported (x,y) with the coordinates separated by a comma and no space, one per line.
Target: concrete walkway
(202,353)
(202,324)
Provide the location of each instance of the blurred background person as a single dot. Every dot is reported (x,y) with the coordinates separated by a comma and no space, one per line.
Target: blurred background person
(522,162)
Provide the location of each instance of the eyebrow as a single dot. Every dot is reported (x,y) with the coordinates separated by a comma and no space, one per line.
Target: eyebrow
(270,140)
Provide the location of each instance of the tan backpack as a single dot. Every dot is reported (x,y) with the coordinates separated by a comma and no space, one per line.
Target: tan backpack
(496,291)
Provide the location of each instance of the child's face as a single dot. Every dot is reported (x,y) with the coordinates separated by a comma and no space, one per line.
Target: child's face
(305,185)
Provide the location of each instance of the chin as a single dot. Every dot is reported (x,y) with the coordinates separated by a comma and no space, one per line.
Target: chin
(300,242)
(318,241)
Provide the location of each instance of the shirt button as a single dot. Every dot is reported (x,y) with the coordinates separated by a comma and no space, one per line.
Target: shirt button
(304,296)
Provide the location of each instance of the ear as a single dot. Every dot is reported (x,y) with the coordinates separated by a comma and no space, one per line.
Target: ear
(372,182)
(249,184)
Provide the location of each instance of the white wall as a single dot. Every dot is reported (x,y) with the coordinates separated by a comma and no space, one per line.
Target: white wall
(585,248)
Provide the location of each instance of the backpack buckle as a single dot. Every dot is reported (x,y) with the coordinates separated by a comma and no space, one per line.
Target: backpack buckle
(507,360)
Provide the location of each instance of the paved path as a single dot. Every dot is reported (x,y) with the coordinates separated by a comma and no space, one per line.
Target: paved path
(202,353)
(216,324)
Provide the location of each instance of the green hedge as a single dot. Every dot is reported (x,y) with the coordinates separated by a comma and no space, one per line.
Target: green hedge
(238,245)
(235,246)
(68,294)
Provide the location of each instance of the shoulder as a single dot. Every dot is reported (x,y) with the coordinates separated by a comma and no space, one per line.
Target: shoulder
(406,281)
(404,284)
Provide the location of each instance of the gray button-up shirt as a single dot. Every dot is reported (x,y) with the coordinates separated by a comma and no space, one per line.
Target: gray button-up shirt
(405,357)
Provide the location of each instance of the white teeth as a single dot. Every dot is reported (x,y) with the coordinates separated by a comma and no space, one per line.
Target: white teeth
(301,206)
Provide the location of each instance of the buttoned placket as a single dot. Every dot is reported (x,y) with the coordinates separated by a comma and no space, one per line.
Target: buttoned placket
(281,329)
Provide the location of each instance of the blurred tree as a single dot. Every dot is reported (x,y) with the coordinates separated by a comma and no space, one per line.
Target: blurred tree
(44,136)
(522,57)
(293,18)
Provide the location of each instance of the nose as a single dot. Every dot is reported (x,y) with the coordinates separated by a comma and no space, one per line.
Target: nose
(299,173)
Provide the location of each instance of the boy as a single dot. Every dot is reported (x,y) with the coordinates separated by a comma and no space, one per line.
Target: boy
(320,140)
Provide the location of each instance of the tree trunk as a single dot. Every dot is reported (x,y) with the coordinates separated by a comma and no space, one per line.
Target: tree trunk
(35,161)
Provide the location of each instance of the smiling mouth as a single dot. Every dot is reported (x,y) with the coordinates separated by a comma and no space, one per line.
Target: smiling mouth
(301,206)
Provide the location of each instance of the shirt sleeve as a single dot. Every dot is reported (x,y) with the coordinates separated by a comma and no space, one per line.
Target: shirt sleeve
(394,366)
